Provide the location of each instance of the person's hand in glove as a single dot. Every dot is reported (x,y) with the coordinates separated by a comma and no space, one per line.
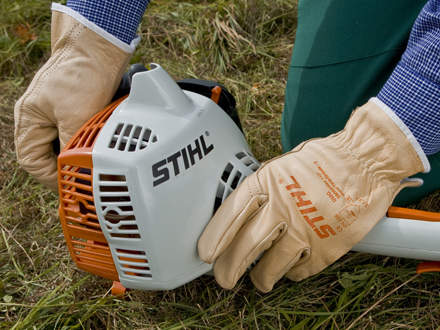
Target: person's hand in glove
(305,209)
(78,80)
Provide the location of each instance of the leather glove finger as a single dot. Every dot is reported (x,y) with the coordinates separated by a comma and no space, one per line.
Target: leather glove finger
(255,237)
(278,260)
(236,210)
(33,141)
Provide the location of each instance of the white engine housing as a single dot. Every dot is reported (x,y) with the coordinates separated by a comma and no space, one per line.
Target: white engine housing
(160,140)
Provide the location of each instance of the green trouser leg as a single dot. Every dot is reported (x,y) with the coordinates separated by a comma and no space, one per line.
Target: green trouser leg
(344,52)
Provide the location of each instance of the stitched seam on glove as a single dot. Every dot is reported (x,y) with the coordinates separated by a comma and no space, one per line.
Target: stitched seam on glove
(290,265)
(251,200)
(373,178)
(245,260)
(25,102)
(51,67)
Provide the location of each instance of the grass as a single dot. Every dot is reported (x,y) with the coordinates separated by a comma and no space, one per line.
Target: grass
(245,45)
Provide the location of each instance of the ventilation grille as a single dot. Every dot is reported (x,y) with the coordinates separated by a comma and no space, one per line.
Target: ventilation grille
(84,238)
(232,177)
(248,160)
(134,263)
(117,207)
(83,234)
(128,137)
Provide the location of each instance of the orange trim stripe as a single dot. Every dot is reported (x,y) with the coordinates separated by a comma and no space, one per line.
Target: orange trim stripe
(405,213)
(428,267)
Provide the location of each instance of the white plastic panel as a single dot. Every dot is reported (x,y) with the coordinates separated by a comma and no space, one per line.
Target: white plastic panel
(195,139)
(405,238)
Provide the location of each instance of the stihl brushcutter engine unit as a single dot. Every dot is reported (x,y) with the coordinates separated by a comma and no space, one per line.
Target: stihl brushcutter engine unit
(141,179)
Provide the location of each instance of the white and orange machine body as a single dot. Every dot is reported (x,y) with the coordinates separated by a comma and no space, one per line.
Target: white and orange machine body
(140,181)
(142,178)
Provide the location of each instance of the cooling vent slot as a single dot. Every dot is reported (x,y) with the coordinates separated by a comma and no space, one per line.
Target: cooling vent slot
(128,137)
(117,208)
(134,263)
(83,233)
(231,177)
(76,183)
(247,159)
(85,240)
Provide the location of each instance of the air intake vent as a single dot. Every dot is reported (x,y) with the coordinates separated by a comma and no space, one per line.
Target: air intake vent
(117,208)
(134,263)
(128,137)
(248,160)
(232,177)
(80,222)
(84,237)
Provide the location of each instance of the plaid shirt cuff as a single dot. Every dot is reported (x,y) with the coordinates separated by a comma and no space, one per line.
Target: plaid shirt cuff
(119,18)
(413,89)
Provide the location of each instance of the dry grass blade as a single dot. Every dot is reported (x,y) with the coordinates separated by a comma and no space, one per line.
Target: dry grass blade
(379,301)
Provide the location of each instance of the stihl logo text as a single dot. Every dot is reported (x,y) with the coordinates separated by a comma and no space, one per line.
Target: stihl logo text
(308,211)
(180,160)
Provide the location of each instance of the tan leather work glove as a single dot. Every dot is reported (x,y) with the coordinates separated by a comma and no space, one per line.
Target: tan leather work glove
(307,208)
(77,81)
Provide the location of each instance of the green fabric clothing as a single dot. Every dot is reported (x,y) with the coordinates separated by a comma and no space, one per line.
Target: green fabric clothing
(344,52)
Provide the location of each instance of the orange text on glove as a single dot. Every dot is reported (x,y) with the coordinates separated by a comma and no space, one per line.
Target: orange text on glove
(308,210)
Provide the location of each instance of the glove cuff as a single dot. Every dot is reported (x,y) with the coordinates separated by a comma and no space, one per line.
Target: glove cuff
(382,143)
(409,135)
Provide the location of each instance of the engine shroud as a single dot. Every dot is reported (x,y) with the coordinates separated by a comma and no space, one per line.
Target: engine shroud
(140,181)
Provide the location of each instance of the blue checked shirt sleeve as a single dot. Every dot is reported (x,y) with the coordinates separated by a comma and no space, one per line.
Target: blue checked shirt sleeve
(119,18)
(413,89)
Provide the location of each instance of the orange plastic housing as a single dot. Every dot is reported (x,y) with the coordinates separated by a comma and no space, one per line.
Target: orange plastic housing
(85,240)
